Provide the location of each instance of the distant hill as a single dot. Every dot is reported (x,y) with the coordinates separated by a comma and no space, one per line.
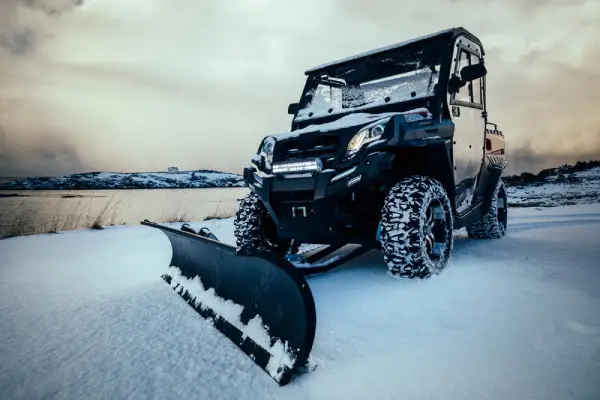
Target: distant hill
(7,179)
(578,183)
(137,180)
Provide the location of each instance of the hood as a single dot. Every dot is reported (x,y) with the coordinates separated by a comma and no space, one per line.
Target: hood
(348,121)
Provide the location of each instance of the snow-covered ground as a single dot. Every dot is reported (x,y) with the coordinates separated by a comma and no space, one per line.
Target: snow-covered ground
(580,187)
(137,180)
(85,315)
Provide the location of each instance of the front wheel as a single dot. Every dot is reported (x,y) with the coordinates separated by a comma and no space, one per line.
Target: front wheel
(416,228)
(254,228)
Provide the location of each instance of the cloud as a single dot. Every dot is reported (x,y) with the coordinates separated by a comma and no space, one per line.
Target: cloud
(29,142)
(18,41)
(52,155)
(142,85)
(46,151)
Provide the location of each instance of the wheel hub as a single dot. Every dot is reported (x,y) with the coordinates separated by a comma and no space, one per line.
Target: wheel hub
(434,230)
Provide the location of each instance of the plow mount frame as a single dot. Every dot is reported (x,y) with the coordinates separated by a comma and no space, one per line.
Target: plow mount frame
(313,264)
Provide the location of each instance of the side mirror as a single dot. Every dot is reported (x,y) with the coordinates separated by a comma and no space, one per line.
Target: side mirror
(293,108)
(455,84)
(472,72)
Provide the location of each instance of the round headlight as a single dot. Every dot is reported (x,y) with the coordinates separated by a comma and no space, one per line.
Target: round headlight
(377,131)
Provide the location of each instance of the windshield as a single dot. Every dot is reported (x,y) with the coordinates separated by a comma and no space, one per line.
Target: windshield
(409,74)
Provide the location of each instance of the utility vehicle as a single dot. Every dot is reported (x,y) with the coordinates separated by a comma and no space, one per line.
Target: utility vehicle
(389,149)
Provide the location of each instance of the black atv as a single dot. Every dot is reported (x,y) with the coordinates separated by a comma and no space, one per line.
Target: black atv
(389,149)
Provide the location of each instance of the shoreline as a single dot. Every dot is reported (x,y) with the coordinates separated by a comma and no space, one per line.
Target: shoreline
(56,189)
(197,179)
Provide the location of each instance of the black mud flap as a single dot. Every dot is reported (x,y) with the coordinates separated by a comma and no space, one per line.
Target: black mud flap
(257,299)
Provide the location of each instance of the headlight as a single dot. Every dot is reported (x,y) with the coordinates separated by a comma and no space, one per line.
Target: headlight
(266,149)
(366,135)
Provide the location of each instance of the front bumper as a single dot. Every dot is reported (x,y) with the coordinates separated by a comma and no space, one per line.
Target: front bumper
(310,207)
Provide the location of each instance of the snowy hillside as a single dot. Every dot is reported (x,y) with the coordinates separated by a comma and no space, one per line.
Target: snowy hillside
(566,185)
(85,315)
(145,180)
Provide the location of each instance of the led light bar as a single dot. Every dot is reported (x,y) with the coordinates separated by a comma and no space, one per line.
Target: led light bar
(292,167)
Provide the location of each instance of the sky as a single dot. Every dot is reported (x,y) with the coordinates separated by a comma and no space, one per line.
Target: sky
(141,85)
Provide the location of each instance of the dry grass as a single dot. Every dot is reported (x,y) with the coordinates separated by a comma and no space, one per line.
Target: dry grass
(27,218)
(176,217)
(20,223)
(107,215)
(175,214)
(220,215)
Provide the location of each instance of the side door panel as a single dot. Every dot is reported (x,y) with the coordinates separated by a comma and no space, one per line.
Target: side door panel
(467,110)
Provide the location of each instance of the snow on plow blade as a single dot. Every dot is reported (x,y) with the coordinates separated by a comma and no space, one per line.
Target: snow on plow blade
(257,299)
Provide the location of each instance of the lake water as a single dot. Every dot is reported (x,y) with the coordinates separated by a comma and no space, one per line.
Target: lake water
(54,210)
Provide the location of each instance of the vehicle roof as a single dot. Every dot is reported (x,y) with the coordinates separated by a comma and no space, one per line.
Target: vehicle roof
(453,32)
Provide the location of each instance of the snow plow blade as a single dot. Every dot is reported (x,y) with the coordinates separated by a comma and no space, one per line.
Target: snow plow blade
(255,298)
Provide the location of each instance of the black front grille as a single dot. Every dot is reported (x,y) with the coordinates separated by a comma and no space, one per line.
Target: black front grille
(321,146)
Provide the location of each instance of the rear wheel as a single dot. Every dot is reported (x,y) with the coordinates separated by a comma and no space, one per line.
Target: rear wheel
(493,224)
(254,228)
(416,228)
